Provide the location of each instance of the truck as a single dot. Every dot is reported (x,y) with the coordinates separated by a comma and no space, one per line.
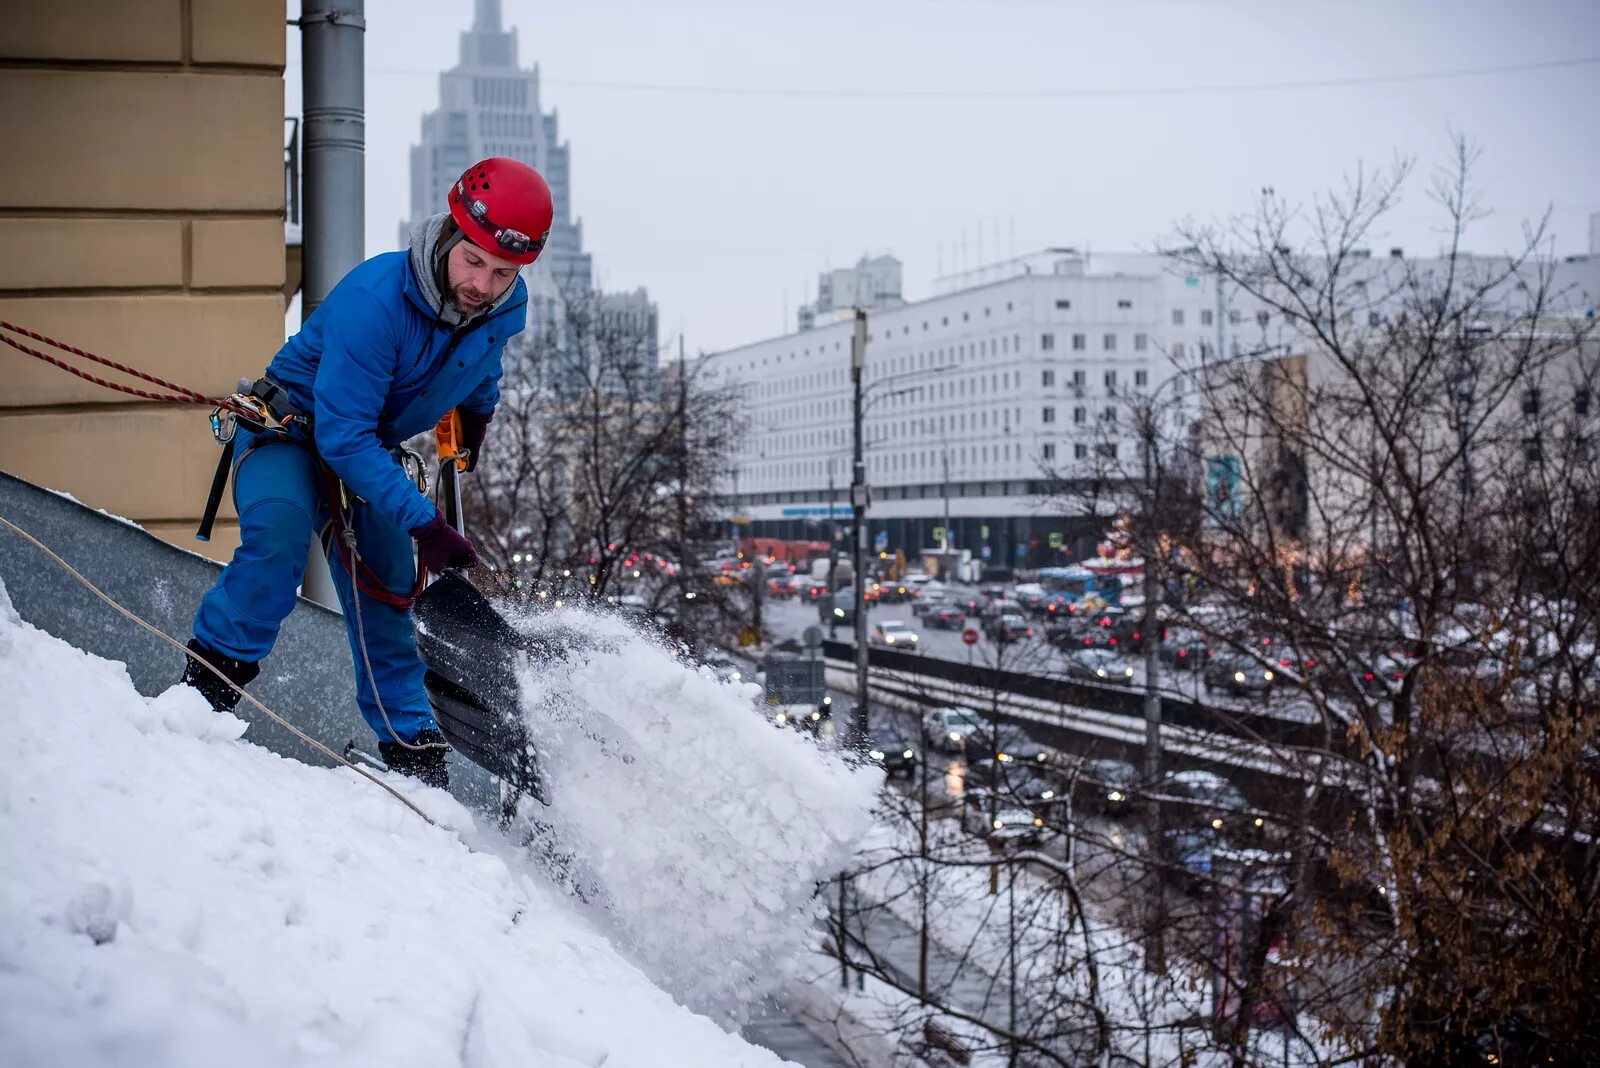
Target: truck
(842,566)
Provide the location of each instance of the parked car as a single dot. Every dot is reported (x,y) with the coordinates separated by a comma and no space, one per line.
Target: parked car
(1237,675)
(1012,825)
(1108,784)
(1097,665)
(893,751)
(1214,803)
(948,728)
(1007,627)
(894,632)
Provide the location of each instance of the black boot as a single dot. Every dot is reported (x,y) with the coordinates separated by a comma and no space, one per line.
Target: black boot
(223,698)
(424,764)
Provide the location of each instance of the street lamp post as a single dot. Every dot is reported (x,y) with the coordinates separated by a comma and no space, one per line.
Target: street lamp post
(858,513)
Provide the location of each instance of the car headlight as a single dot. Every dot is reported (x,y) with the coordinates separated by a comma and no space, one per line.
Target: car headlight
(1116,795)
(876,754)
(827,700)
(1216,825)
(999,825)
(1267,675)
(1002,757)
(782,718)
(889,639)
(839,612)
(1260,822)
(955,736)
(737,677)
(908,754)
(817,714)
(1038,757)
(1238,676)
(1038,821)
(1101,672)
(1127,672)
(1047,795)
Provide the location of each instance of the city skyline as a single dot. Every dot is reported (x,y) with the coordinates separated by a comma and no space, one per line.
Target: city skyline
(751,167)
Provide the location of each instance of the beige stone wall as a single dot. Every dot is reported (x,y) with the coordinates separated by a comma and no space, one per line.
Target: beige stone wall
(141,218)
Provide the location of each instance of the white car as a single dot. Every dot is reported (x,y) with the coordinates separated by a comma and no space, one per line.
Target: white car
(894,632)
(722,669)
(948,728)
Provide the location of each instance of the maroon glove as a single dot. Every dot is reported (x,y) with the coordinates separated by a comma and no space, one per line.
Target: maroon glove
(441,547)
(473,429)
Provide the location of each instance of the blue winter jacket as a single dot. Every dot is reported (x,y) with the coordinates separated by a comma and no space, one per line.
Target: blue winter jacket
(374,365)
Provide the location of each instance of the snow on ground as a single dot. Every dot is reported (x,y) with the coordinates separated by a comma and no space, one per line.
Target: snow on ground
(704,828)
(173,895)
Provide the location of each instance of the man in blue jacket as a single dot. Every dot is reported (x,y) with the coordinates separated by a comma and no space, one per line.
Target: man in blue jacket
(403,338)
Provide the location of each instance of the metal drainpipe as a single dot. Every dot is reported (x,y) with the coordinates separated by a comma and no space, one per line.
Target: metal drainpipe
(332,55)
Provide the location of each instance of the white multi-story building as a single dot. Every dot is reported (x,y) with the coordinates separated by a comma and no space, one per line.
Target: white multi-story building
(999,403)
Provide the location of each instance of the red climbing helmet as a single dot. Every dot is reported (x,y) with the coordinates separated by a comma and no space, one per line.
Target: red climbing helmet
(504,207)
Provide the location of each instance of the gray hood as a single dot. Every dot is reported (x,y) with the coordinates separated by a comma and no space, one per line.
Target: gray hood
(424,243)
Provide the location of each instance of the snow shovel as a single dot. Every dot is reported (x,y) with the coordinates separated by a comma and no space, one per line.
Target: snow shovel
(472,655)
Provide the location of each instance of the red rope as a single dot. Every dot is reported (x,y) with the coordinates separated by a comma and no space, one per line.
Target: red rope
(179,394)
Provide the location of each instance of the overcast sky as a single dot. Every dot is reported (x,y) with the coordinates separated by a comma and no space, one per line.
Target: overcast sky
(727,204)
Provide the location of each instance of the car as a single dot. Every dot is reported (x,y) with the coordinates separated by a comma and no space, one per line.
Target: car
(1109,784)
(894,632)
(1190,853)
(1185,650)
(1010,783)
(926,603)
(722,669)
(1006,743)
(1214,803)
(892,751)
(1238,675)
(780,589)
(896,593)
(729,578)
(1007,627)
(1098,665)
(991,592)
(1010,825)
(815,591)
(946,617)
(1030,595)
(948,728)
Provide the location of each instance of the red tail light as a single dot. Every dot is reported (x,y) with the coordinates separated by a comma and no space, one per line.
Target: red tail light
(1182,653)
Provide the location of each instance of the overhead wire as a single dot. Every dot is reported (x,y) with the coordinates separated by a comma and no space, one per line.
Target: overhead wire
(1065,93)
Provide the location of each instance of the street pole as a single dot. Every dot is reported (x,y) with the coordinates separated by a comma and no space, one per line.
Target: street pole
(944,548)
(922,884)
(1154,950)
(683,480)
(858,509)
(833,558)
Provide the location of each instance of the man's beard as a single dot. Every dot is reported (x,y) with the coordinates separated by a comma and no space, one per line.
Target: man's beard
(466,307)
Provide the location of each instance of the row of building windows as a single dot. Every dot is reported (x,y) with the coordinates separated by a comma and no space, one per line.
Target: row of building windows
(504,124)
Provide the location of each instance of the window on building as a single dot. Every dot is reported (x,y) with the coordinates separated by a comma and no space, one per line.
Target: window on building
(1109,342)
(1177,316)
(1141,378)
(1079,415)
(1107,449)
(1080,451)
(1532,449)
(1079,341)
(1206,318)
(1141,342)
(1580,403)
(1374,319)
(1177,350)
(1263,318)
(1111,380)
(1530,402)
(1047,342)
(1108,416)
(1048,378)
(1234,315)
(1048,415)
(1124,304)
(1078,378)
(1063,304)
(1049,450)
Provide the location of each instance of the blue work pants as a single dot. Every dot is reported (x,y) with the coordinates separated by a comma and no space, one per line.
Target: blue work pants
(282,502)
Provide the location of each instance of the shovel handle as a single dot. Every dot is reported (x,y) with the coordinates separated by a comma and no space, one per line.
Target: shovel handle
(452,461)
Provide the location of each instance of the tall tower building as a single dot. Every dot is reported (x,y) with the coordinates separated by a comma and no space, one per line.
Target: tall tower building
(489,106)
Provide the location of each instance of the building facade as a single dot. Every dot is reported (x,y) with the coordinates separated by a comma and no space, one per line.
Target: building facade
(1008,404)
(872,285)
(142,219)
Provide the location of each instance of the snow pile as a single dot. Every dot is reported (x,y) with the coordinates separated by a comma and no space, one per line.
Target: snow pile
(172,895)
(699,828)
